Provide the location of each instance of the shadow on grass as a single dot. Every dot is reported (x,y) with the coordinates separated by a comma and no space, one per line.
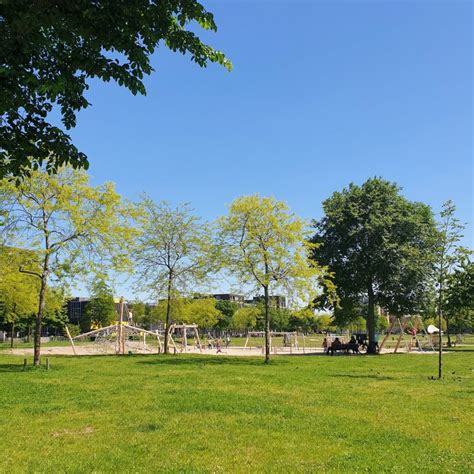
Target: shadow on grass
(458,349)
(200,361)
(19,368)
(11,368)
(364,376)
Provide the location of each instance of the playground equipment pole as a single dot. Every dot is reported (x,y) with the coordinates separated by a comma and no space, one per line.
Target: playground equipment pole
(121,341)
(70,340)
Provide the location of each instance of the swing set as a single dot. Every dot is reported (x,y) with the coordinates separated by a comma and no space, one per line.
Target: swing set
(290,340)
(182,330)
(412,340)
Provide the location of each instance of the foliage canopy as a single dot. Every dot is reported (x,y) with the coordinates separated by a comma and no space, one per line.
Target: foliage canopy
(73,228)
(51,49)
(380,247)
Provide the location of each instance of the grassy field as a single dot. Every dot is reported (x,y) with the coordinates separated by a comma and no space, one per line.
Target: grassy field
(203,413)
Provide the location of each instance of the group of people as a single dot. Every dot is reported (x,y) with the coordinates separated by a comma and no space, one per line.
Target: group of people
(218,343)
(337,344)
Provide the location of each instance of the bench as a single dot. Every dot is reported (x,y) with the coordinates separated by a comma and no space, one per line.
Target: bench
(354,347)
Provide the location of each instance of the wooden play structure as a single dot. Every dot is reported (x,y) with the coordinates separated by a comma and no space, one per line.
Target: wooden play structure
(409,335)
(120,338)
(182,331)
(124,338)
(290,341)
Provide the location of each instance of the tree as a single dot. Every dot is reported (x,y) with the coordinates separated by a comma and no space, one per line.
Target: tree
(280,319)
(18,292)
(175,311)
(73,227)
(100,310)
(174,252)
(139,312)
(303,320)
(448,253)
(380,248)
(459,313)
(324,322)
(266,246)
(245,318)
(201,311)
(51,49)
(227,310)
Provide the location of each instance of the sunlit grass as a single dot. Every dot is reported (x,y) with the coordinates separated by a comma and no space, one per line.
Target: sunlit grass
(203,413)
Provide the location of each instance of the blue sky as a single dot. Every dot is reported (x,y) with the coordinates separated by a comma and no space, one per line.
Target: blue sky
(322,94)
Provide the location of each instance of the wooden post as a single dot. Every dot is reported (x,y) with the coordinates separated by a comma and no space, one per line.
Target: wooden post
(160,348)
(25,362)
(121,340)
(70,340)
(170,338)
(198,339)
(185,338)
(47,363)
(402,331)
(304,344)
(390,329)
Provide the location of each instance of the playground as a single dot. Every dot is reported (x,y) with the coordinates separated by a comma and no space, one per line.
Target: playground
(124,338)
(236,348)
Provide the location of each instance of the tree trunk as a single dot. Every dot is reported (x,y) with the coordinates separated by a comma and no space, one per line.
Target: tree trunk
(168,312)
(447,332)
(440,347)
(372,347)
(267,324)
(41,306)
(13,326)
(440,321)
(12,335)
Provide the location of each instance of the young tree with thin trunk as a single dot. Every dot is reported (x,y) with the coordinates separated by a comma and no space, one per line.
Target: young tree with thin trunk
(448,254)
(174,252)
(380,247)
(267,247)
(74,228)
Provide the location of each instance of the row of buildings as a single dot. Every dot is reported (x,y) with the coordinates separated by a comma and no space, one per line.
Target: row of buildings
(76,306)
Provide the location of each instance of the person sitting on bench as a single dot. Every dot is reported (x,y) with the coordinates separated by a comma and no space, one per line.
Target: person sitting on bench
(334,346)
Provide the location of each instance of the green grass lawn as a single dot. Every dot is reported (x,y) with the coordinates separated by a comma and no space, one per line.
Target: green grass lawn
(216,414)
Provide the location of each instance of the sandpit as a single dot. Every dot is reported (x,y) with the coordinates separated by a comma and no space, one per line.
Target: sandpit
(93,350)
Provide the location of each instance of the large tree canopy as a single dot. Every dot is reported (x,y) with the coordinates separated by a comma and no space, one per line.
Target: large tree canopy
(459,312)
(380,247)
(51,48)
